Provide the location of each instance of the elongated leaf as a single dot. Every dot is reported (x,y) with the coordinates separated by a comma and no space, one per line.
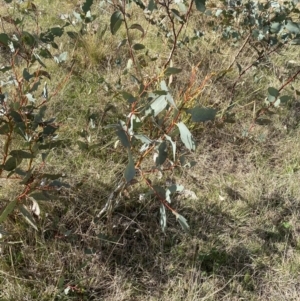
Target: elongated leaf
(177,16)
(12,163)
(169,71)
(293,27)
(183,223)
(162,153)
(129,97)
(169,97)
(272,94)
(173,146)
(163,218)
(138,27)
(143,138)
(4,129)
(152,5)
(21,154)
(27,216)
(41,196)
(87,5)
(4,39)
(116,21)
(123,137)
(129,173)
(200,5)
(157,106)
(202,114)
(4,69)
(8,209)
(186,136)
(138,46)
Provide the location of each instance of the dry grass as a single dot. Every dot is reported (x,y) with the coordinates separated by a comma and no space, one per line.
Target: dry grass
(245,234)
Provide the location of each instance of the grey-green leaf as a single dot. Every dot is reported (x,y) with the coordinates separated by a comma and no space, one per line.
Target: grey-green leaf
(169,97)
(152,5)
(183,223)
(116,21)
(138,46)
(12,163)
(21,154)
(163,218)
(87,5)
(28,217)
(173,146)
(272,94)
(123,137)
(202,114)
(129,173)
(162,153)
(129,97)
(41,196)
(171,70)
(138,27)
(186,136)
(293,27)
(8,209)
(200,5)
(157,106)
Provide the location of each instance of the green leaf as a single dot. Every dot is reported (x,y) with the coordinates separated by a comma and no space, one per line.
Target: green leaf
(275,27)
(173,146)
(87,5)
(138,27)
(4,129)
(41,196)
(163,218)
(186,136)
(61,57)
(129,173)
(116,20)
(272,94)
(27,216)
(171,70)
(284,99)
(5,68)
(129,97)
(26,175)
(21,154)
(202,114)
(152,5)
(177,16)
(200,5)
(138,46)
(123,137)
(8,209)
(143,138)
(158,105)
(162,153)
(73,35)
(169,97)
(183,222)
(28,39)
(4,39)
(45,53)
(16,116)
(12,163)
(293,27)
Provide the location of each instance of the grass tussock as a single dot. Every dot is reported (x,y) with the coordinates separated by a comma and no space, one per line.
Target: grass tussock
(245,235)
